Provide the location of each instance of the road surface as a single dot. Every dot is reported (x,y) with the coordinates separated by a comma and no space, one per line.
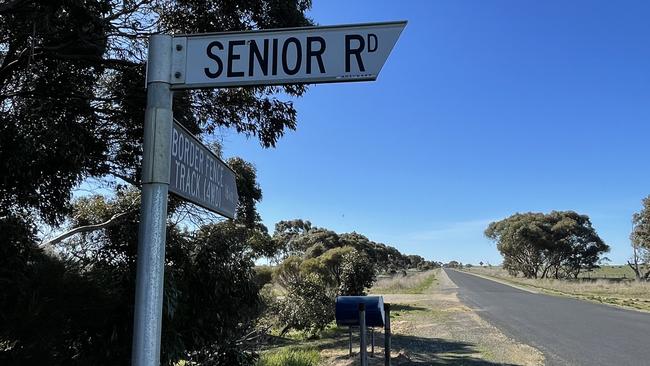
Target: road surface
(567,331)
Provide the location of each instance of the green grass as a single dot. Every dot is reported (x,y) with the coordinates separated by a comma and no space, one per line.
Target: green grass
(412,283)
(290,357)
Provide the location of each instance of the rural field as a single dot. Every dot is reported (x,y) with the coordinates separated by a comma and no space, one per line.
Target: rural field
(609,285)
(430,326)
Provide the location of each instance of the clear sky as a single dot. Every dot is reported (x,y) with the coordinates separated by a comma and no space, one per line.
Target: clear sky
(484,109)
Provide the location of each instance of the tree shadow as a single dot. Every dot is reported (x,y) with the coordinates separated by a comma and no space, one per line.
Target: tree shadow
(406,307)
(406,350)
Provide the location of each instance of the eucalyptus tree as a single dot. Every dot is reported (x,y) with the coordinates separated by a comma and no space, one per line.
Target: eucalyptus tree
(640,238)
(561,244)
(72,89)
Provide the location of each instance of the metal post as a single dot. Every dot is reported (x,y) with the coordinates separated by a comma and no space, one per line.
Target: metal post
(372,342)
(387,335)
(147,321)
(350,334)
(362,329)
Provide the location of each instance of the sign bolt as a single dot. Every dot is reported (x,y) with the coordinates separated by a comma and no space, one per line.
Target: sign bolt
(177,75)
(179,47)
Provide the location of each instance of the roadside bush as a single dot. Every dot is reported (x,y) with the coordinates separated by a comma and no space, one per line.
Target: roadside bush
(308,305)
(357,274)
(50,312)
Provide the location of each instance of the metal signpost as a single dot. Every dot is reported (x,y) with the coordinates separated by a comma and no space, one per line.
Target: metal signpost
(273,57)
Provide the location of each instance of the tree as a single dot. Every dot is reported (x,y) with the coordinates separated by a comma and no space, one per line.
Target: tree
(561,243)
(519,239)
(333,261)
(286,232)
(79,66)
(415,261)
(357,274)
(640,239)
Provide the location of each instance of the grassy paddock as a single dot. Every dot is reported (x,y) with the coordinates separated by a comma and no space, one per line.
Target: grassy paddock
(412,283)
(624,293)
(290,357)
(610,272)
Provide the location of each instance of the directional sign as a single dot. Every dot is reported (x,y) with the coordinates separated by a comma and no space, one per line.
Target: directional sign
(283,56)
(199,176)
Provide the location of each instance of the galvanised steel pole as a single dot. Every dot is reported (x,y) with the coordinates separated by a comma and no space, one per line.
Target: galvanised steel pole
(387,335)
(363,347)
(147,321)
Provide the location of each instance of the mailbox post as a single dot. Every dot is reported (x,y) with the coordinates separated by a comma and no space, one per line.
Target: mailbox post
(362,325)
(387,335)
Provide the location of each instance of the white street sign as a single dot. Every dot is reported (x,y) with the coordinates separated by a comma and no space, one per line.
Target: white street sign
(283,56)
(199,176)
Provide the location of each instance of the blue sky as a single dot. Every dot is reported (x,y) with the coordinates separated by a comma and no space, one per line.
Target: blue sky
(484,109)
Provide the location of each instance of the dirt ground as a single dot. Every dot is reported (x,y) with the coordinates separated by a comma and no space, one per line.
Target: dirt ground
(434,328)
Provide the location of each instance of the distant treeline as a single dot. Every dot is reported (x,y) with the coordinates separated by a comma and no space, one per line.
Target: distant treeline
(299,238)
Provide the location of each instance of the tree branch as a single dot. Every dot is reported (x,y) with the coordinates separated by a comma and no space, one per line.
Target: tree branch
(9,6)
(89,228)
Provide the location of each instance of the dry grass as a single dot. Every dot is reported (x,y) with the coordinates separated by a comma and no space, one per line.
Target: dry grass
(412,283)
(629,294)
(429,328)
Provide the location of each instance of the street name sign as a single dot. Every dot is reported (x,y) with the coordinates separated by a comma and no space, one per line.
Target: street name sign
(199,176)
(283,56)
(174,160)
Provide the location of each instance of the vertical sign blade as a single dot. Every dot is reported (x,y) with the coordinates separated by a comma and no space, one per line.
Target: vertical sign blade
(199,176)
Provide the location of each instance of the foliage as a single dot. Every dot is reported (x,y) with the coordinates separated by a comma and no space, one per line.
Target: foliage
(357,274)
(51,313)
(640,238)
(263,275)
(78,65)
(318,260)
(300,239)
(286,232)
(90,283)
(308,305)
(288,272)
(333,262)
(290,357)
(220,274)
(559,244)
(249,191)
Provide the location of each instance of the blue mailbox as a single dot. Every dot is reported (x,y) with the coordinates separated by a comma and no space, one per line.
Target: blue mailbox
(347,310)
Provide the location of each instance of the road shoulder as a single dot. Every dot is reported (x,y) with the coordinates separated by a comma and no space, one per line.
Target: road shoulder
(435,327)
(615,302)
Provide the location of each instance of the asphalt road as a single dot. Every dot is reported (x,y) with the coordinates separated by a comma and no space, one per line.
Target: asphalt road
(567,331)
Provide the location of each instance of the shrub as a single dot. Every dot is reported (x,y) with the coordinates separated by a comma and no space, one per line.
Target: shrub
(264,275)
(308,305)
(357,274)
